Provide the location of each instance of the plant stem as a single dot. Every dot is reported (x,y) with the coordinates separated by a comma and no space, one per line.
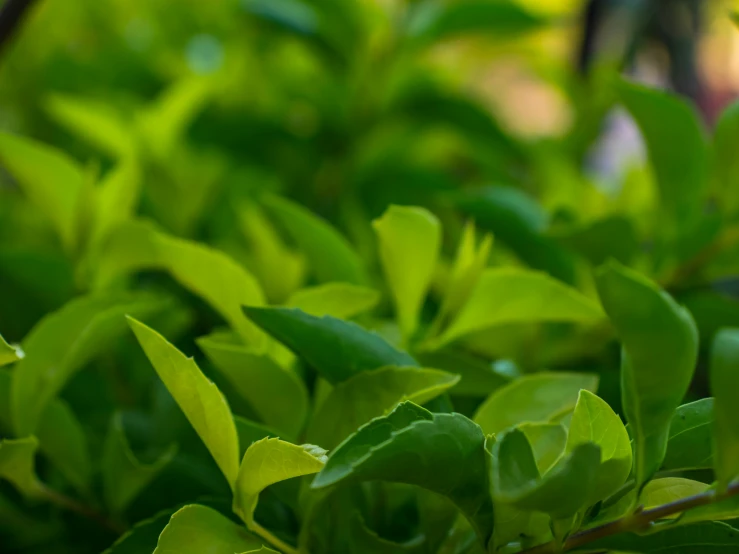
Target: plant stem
(266,535)
(67,503)
(635,522)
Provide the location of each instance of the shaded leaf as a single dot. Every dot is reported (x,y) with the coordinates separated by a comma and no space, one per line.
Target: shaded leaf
(700,538)
(547,440)
(724,377)
(142,537)
(17,464)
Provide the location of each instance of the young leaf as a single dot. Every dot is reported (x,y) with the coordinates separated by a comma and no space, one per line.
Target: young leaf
(8,354)
(62,343)
(370,394)
(676,142)
(202,403)
(561,493)
(124,476)
(198,529)
(689,442)
(724,384)
(594,421)
(409,240)
(541,397)
(50,179)
(444,453)
(337,349)
(340,300)
(660,347)
(511,295)
(330,255)
(267,462)
(17,464)
(276,394)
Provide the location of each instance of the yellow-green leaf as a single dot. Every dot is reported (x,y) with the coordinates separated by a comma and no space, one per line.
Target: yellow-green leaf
(341,300)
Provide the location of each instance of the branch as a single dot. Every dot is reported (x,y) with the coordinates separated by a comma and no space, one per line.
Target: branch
(11,14)
(635,522)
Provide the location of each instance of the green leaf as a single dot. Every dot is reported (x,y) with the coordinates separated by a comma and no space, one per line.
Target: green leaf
(676,142)
(700,538)
(478,377)
(202,403)
(330,256)
(17,464)
(371,394)
(340,300)
(216,278)
(50,179)
(130,246)
(547,440)
(724,377)
(595,421)
(94,122)
(276,394)
(689,445)
(509,295)
(62,343)
(142,537)
(669,489)
(725,163)
(561,493)
(8,354)
(271,461)
(444,453)
(250,432)
(660,347)
(409,239)
(124,476)
(337,349)
(115,199)
(197,529)
(555,394)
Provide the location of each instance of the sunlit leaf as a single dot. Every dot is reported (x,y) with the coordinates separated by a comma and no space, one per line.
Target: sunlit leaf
(340,300)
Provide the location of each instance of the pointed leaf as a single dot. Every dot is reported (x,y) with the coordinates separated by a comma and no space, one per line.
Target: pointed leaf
(341,300)
(8,354)
(409,240)
(17,464)
(337,349)
(689,445)
(660,347)
(371,394)
(202,403)
(724,384)
(541,398)
(276,394)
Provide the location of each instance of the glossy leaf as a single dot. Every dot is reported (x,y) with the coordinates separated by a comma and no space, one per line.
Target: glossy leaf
(504,296)
(202,403)
(277,394)
(689,445)
(337,349)
(62,343)
(444,453)
(660,347)
(594,421)
(330,256)
(340,300)
(541,397)
(724,377)
(17,464)
(370,394)
(197,529)
(561,493)
(125,476)
(409,239)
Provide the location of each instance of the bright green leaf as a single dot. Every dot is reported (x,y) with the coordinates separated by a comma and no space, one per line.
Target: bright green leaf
(17,464)
(689,445)
(340,300)
(203,404)
(724,377)
(660,347)
(541,398)
(370,394)
(8,354)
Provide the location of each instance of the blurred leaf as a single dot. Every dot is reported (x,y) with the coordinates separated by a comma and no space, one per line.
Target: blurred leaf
(677,146)
(124,476)
(340,300)
(689,442)
(595,422)
(8,354)
(409,240)
(202,403)
(130,246)
(724,377)
(555,394)
(329,254)
(337,349)
(17,464)
(276,394)
(725,164)
(443,453)
(478,377)
(659,350)
(371,394)
(115,199)
(561,493)
(197,529)
(611,237)
(62,343)
(509,295)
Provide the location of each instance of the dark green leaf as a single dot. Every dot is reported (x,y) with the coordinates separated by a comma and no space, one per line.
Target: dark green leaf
(724,384)
(700,538)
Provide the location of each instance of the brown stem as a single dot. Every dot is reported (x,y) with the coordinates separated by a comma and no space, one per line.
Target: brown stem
(86,511)
(635,522)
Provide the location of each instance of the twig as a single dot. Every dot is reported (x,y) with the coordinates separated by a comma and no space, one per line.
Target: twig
(11,14)
(635,522)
